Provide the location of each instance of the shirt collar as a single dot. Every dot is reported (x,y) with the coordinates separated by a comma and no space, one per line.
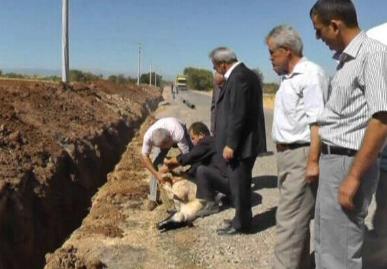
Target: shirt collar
(352,49)
(228,73)
(299,68)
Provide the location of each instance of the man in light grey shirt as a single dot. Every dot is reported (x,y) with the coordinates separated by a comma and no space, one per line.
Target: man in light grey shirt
(353,128)
(298,102)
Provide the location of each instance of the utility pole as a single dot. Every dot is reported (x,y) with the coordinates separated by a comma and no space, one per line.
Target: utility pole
(139,64)
(65,41)
(155,79)
(150,75)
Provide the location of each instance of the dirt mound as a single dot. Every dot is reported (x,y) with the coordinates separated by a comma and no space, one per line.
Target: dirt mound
(57,143)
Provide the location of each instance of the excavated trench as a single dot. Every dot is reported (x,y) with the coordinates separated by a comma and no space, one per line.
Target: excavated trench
(49,194)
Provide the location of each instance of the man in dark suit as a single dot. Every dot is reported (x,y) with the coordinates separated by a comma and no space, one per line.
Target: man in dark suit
(203,152)
(239,133)
(207,168)
(218,87)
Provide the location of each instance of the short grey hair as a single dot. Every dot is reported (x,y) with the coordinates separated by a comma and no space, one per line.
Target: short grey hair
(223,55)
(160,136)
(285,36)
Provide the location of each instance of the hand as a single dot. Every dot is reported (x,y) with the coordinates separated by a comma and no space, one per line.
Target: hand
(164,169)
(167,161)
(171,163)
(228,153)
(161,177)
(347,192)
(312,172)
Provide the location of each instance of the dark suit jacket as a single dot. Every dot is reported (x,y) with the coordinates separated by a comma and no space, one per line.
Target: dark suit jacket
(239,117)
(204,153)
(215,95)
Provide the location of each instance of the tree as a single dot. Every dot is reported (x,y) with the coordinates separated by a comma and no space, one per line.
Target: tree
(77,75)
(199,79)
(121,79)
(112,78)
(144,78)
(80,76)
(270,88)
(14,75)
(52,78)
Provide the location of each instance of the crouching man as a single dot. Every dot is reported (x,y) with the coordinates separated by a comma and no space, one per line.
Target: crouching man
(162,135)
(207,171)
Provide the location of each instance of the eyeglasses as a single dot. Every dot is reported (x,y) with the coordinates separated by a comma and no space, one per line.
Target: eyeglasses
(272,51)
(215,66)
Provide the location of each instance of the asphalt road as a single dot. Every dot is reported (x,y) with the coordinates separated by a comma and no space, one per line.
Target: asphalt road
(264,199)
(265,196)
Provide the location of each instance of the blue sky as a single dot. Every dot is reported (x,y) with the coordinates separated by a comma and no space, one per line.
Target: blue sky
(104,34)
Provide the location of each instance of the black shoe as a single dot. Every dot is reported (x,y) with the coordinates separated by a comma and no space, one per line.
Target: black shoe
(170,224)
(226,224)
(210,208)
(228,231)
(223,200)
(231,231)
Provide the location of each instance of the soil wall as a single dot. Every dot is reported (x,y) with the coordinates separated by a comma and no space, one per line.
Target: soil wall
(57,145)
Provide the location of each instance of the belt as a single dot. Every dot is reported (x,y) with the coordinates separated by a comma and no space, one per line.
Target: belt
(326,149)
(282,147)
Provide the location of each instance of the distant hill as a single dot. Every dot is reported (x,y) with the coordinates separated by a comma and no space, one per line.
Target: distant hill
(32,71)
(58,72)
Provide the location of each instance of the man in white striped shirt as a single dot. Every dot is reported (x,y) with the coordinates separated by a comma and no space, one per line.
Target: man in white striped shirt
(298,102)
(353,128)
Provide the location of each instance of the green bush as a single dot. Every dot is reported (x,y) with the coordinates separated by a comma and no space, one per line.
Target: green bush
(270,88)
(199,79)
(144,78)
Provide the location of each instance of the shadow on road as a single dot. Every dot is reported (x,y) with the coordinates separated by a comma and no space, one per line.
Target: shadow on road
(263,221)
(267,153)
(256,199)
(264,182)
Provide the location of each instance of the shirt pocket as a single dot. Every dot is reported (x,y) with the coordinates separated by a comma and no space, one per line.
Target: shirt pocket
(289,99)
(344,92)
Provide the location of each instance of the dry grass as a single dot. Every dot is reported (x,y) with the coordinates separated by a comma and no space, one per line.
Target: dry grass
(268,101)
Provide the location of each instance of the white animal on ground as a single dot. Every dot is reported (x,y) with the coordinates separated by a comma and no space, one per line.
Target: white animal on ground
(183,193)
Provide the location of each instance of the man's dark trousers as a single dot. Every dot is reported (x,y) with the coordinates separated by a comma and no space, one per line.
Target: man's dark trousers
(240,173)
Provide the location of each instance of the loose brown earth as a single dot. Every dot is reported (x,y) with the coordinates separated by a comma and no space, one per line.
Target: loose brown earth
(120,233)
(57,143)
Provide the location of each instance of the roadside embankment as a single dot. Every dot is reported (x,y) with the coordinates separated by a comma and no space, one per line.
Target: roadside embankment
(57,145)
(119,233)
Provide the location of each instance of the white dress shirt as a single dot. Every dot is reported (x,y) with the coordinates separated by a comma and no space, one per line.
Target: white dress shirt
(298,102)
(229,71)
(176,130)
